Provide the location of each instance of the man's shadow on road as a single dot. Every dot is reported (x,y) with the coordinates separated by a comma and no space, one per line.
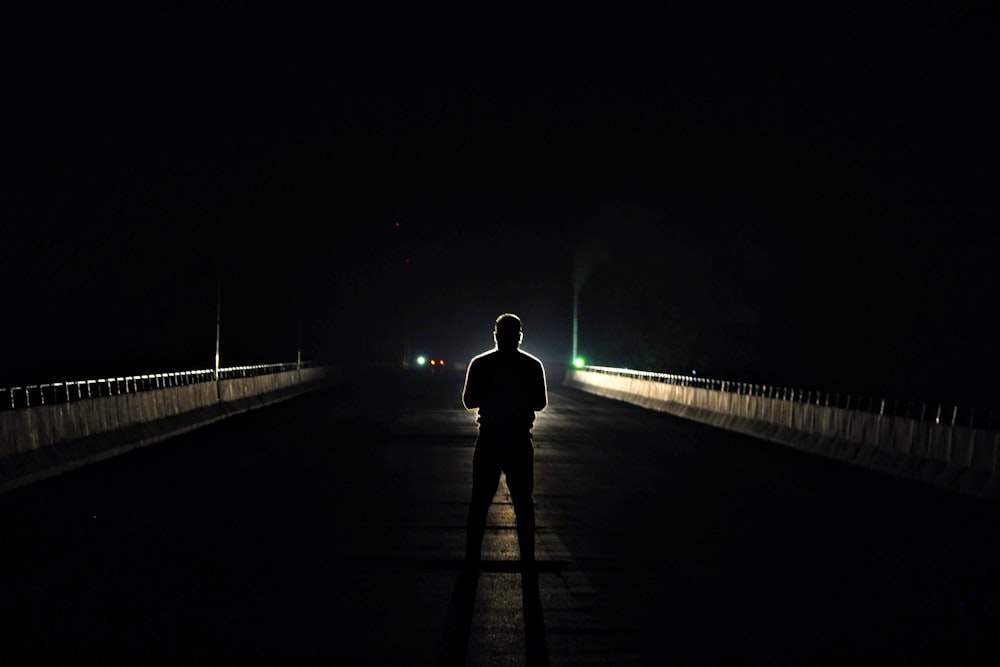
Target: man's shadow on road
(458,623)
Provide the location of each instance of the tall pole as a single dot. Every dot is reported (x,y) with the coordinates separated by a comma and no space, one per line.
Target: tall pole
(218,321)
(576,324)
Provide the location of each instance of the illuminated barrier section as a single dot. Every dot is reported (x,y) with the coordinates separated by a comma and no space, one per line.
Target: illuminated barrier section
(44,440)
(258,387)
(962,459)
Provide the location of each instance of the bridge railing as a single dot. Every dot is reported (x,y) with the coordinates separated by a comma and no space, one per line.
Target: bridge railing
(49,393)
(938,413)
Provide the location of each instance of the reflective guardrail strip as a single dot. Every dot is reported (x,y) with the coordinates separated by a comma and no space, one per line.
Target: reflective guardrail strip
(955,416)
(48,393)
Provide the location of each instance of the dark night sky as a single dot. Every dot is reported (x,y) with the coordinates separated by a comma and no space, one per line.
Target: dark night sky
(794,196)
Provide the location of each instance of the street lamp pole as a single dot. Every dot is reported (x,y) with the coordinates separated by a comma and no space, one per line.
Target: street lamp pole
(218,321)
(576,323)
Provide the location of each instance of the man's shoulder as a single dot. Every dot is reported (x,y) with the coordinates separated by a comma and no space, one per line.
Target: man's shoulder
(530,357)
(494,355)
(482,357)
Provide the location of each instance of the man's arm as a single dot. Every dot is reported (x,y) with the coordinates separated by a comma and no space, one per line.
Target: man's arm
(540,397)
(470,393)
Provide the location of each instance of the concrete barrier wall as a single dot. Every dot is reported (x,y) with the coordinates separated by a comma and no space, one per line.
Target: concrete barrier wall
(958,458)
(263,387)
(44,440)
(44,425)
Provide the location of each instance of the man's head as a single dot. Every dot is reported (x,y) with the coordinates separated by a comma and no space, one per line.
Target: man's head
(507,332)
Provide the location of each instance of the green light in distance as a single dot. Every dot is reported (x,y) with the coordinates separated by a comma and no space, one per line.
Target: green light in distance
(579,362)
(421,360)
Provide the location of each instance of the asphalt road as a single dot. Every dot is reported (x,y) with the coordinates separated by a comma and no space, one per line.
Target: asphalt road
(331,526)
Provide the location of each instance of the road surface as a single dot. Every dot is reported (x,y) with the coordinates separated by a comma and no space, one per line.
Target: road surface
(332,526)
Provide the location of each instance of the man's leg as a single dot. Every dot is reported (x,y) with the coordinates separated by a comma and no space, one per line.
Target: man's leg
(485,480)
(521,482)
(526,530)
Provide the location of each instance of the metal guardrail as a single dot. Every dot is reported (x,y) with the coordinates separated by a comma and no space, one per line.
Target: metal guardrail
(939,413)
(49,393)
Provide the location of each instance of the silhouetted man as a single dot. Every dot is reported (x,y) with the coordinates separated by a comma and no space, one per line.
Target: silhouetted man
(507,385)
